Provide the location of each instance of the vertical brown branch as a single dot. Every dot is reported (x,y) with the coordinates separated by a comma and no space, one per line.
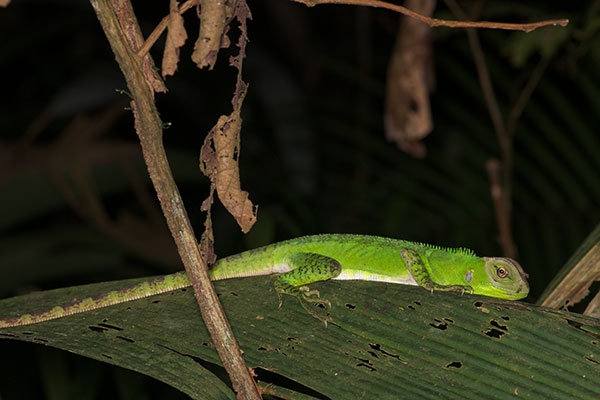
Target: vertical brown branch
(118,21)
(500,173)
(502,211)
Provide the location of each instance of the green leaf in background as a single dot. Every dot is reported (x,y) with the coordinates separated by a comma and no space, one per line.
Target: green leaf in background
(385,341)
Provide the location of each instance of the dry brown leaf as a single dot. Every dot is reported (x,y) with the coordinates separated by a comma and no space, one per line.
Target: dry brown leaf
(176,37)
(213,32)
(220,153)
(409,79)
(222,163)
(575,285)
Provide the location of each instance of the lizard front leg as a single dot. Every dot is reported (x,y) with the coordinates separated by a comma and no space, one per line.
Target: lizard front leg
(418,270)
(307,268)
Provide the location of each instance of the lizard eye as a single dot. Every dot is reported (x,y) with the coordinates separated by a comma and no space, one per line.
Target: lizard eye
(501,272)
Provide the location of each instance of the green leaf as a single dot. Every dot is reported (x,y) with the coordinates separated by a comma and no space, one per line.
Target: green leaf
(384,341)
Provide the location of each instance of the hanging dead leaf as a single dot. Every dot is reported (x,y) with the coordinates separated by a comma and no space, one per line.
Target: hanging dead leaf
(220,152)
(176,37)
(409,79)
(214,16)
(223,164)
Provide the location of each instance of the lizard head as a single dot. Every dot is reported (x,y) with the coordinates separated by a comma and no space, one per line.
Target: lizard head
(507,280)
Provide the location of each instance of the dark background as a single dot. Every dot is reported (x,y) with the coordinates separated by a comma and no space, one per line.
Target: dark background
(76,206)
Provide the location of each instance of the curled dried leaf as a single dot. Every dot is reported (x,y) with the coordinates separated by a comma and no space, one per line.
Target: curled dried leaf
(176,37)
(213,32)
(222,164)
(407,110)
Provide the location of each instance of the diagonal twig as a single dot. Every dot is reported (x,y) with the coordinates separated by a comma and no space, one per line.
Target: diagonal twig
(118,21)
(434,22)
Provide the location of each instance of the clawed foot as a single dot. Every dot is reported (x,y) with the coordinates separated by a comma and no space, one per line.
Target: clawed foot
(307,293)
(306,296)
(454,288)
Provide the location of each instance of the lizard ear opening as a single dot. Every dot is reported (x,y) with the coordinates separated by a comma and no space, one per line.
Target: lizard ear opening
(469,276)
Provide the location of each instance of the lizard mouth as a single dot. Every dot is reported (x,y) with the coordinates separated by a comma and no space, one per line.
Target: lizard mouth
(524,286)
(520,288)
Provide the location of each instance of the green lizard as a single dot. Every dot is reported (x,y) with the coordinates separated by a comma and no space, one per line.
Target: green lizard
(309,259)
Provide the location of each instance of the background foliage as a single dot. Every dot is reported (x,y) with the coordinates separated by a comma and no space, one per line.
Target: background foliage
(77,206)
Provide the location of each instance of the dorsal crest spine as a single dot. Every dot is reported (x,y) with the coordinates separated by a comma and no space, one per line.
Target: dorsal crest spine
(454,250)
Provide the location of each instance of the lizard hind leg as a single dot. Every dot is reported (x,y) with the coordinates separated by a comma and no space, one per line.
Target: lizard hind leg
(307,268)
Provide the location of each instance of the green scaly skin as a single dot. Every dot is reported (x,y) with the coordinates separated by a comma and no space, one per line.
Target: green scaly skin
(310,259)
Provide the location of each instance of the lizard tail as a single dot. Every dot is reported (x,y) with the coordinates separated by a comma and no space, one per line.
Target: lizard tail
(152,287)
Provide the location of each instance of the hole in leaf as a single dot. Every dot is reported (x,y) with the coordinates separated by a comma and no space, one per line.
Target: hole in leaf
(262,349)
(155,301)
(497,325)
(505,317)
(481,307)
(581,327)
(366,364)
(590,359)
(377,347)
(411,307)
(494,333)
(278,350)
(417,303)
(350,306)
(234,294)
(97,329)
(107,356)
(454,364)
(109,326)
(442,326)
(125,339)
